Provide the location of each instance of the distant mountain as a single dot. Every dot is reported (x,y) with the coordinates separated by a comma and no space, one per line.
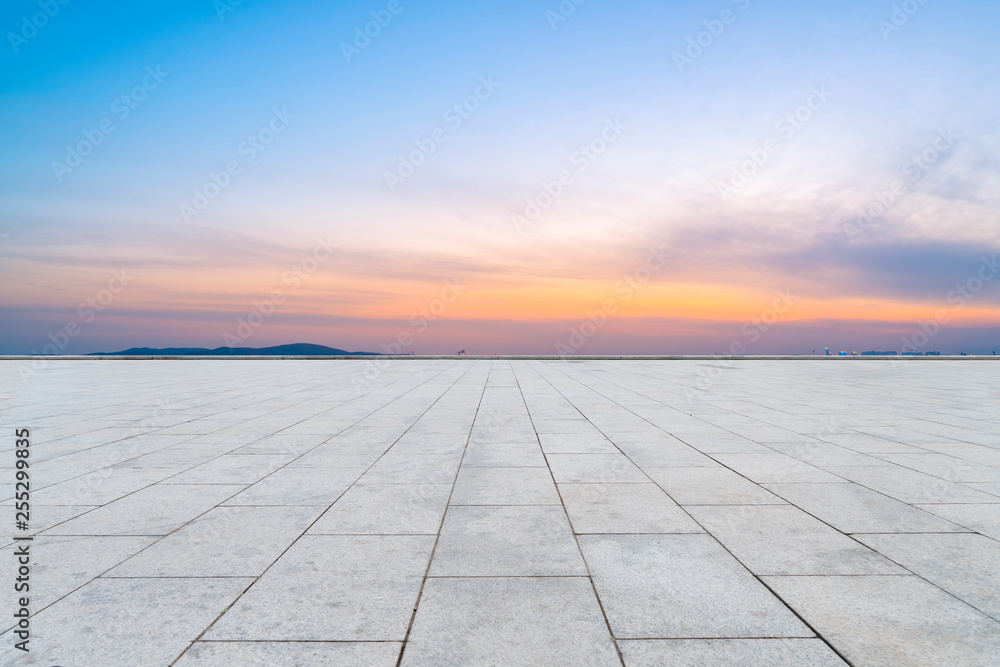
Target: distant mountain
(295,349)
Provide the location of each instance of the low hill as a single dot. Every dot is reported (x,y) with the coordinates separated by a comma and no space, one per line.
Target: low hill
(293,350)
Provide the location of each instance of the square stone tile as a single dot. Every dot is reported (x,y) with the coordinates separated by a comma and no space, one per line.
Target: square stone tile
(290,444)
(576,443)
(155,510)
(481,541)
(824,454)
(413,469)
(624,508)
(775,468)
(355,588)
(299,486)
(231,469)
(855,509)
(681,586)
(950,468)
(223,542)
(60,565)
(594,469)
(509,621)
(504,486)
(983,519)
(292,654)
(992,489)
(386,509)
(42,517)
(665,455)
(868,444)
(127,621)
(911,486)
(892,620)
(782,539)
(728,653)
(711,486)
(100,486)
(340,455)
(504,454)
(964,564)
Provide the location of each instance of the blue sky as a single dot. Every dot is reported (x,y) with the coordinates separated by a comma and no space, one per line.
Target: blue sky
(887,95)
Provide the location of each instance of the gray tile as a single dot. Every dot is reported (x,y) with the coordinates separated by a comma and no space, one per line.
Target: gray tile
(231,469)
(355,588)
(481,541)
(868,444)
(983,519)
(992,489)
(624,508)
(576,443)
(496,454)
(892,620)
(156,510)
(681,586)
(504,486)
(129,621)
(291,444)
(292,654)
(726,444)
(59,565)
(854,509)
(340,455)
(413,469)
(43,517)
(781,539)
(711,486)
(775,468)
(432,444)
(509,621)
(947,467)
(223,542)
(824,454)
(594,468)
(964,564)
(299,486)
(99,487)
(665,455)
(728,653)
(911,486)
(387,509)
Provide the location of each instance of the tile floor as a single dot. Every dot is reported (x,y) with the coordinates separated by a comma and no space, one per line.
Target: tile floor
(507,512)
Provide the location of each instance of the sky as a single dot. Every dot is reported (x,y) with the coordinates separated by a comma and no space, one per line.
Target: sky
(595,177)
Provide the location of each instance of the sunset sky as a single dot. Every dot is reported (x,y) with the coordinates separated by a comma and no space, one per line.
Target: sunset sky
(501,177)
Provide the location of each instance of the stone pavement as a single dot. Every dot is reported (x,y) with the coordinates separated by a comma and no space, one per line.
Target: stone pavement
(462,512)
